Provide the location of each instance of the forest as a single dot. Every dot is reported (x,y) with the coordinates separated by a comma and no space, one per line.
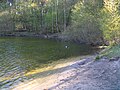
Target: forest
(84,21)
(59,44)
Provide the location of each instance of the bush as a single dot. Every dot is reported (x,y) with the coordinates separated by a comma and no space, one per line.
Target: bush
(85,27)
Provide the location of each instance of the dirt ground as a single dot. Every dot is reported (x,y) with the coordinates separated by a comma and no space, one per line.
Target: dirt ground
(85,74)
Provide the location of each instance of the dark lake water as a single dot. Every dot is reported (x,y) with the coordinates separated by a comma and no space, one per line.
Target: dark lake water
(19,56)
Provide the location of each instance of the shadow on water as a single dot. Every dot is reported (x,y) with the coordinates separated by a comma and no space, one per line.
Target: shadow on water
(19,56)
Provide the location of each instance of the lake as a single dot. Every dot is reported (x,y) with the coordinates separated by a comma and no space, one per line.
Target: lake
(19,56)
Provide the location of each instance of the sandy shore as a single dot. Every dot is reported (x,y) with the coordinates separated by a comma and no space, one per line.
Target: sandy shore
(85,74)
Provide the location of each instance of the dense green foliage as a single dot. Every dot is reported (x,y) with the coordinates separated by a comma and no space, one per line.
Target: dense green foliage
(110,21)
(46,16)
(85,26)
(86,21)
(95,21)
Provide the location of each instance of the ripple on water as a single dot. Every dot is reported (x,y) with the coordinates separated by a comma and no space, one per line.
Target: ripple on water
(21,55)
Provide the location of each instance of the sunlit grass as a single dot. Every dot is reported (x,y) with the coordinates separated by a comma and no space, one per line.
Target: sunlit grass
(113,51)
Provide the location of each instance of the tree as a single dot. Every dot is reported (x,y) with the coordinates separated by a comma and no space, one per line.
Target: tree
(64,15)
(110,21)
(85,27)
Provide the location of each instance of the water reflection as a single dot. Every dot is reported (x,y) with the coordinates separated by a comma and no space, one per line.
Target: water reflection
(18,56)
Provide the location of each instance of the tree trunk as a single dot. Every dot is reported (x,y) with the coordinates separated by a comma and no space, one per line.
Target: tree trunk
(56,7)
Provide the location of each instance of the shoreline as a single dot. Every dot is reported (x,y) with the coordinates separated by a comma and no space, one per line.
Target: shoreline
(29,34)
(52,79)
(85,74)
(54,36)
